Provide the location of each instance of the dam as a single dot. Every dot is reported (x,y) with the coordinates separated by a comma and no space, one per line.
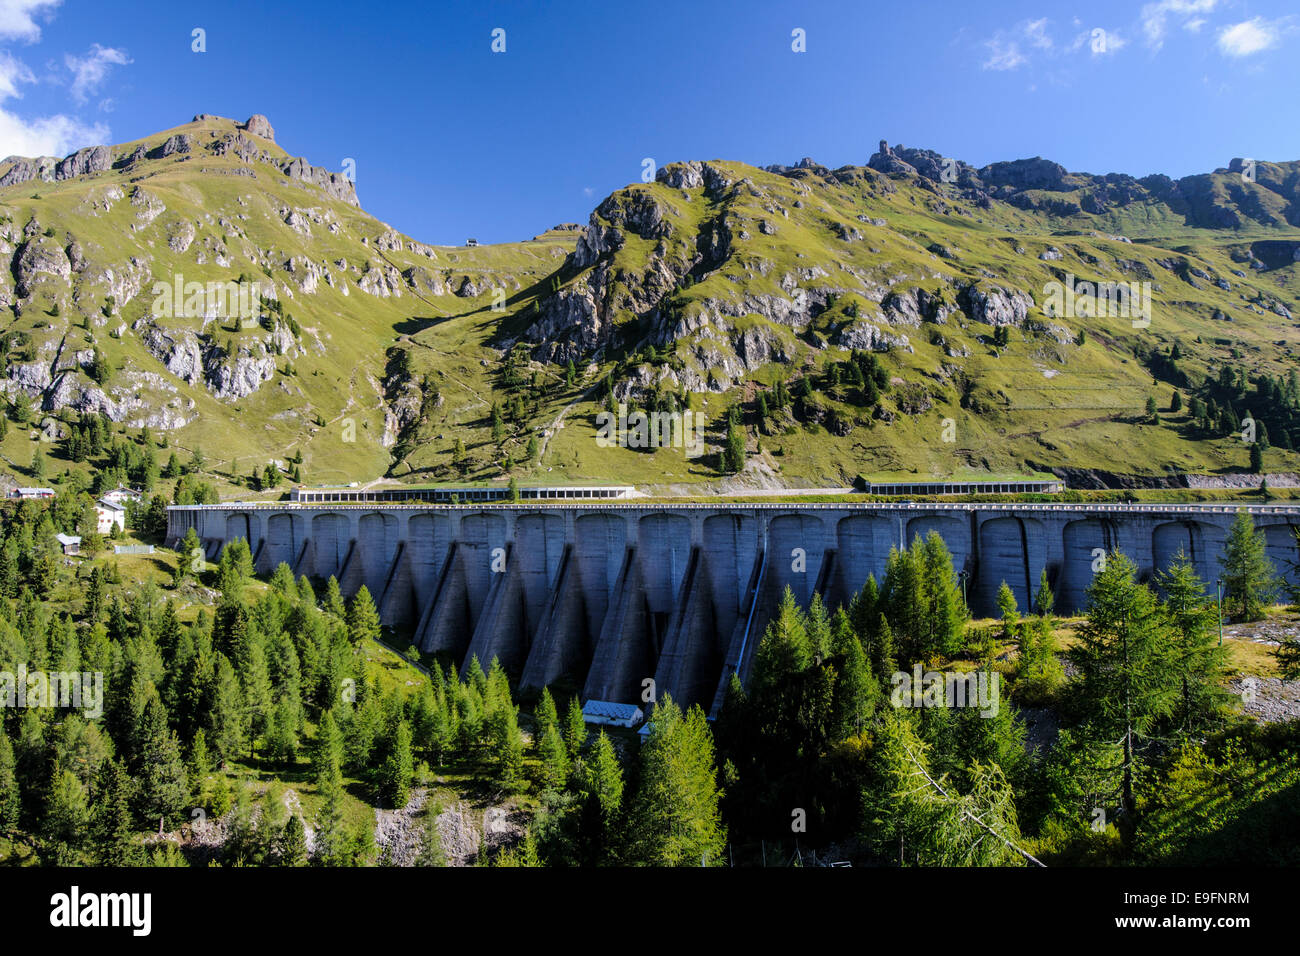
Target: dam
(607,596)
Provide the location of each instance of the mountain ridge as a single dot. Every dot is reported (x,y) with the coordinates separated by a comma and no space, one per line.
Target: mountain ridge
(717,286)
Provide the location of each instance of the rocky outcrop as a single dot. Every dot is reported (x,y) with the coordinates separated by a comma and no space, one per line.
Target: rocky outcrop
(24,170)
(179,144)
(424,281)
(994,305)
(179,350)
(863,335)
(181,236)
(259,125)
(84,162)
(381,280)
(239,377)
(40,257)
(570,325)
(335,185)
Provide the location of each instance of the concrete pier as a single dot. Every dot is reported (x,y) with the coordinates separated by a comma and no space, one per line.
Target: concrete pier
(617,597)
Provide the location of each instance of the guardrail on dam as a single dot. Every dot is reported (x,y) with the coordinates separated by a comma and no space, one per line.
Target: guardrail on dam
(609,594)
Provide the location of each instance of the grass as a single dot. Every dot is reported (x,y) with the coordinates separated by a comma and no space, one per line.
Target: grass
(1042,402)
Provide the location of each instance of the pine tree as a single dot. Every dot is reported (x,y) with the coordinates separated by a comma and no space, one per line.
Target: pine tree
(1127,679)
(944,612)
(398,768)
(334,598)
(111,826)
(164,787)
(602,781)
(1249,579)
(1044,600)
(544,714)
(575,729)
(676,814)
(332,842)
(291,847)
(784,650)
(10,795)
(554,760)
(509,747)
(66,815)
(1007,608)
(902,598)
(431,852)
(362,618)
(855,689)
(1199,661)
(226,719)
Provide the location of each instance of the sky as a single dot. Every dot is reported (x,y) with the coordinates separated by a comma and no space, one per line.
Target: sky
(451,138)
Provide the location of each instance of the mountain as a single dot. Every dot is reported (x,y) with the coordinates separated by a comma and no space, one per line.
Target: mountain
(910,309)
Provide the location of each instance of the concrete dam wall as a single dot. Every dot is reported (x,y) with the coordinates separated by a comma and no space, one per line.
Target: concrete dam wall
(608,596)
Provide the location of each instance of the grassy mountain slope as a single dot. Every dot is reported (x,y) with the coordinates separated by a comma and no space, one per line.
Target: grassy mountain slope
(704,288)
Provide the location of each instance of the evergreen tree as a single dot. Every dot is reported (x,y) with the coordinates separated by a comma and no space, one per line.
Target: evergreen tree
(66,814)
(398,768)
(575,729)
(1200,663)
(164,787)
(544,714)
(1127,679)
(856,691)
(676,818)
(291,847)
(111,828)
(1007,608)
(1249,579)
(10,796)
(362,618)
(332,841)
(431,852)
(944,612)
(226,717)
(334,598)
(554,760)
(602,781)
(1044,600)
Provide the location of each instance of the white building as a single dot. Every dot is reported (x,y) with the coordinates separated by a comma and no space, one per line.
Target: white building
(33,493)
(109,514)
(120,496)
(611,714)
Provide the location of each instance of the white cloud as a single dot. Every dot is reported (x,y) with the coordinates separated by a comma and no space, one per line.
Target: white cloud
(18,18)
(1036,34)
(1155,18)
(1005,51)
(1249,36)
(89,71)
(12,72)
(55,135)
(1003,55)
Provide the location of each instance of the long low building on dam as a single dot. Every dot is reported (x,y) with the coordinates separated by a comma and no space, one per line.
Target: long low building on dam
(609,595)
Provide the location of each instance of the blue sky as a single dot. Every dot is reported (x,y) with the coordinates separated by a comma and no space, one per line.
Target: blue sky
(451,140)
